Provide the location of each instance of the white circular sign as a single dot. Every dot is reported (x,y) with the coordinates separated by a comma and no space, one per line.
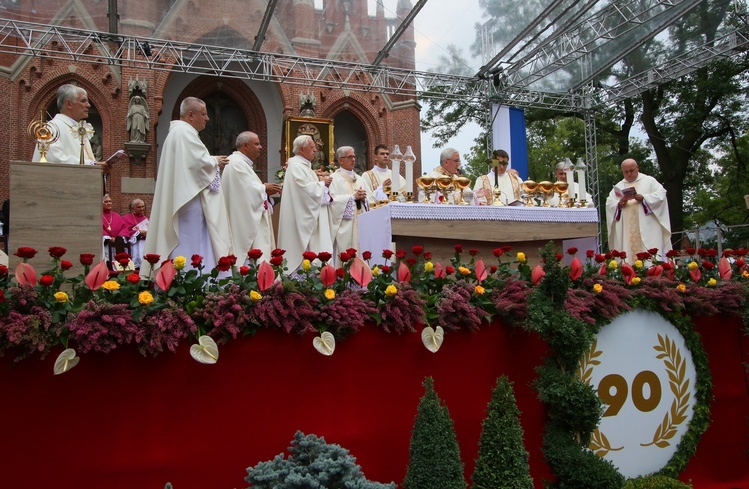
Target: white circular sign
(644,374)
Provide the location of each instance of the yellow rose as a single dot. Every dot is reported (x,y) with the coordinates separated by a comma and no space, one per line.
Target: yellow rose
(745,274)
(711,282)
(479,290)
(391,291)
(597,288)
(306,265)
(330,294)
(61,296)
(682,287)
(464,271)
(613,264)
(255,296)
(636,281)
(375,271)
(110,285)
(638,264)
(521,257)
(693,264)
(428,266)
(145,298)
(179,262)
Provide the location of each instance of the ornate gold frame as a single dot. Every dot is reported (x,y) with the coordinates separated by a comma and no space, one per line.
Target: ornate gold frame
(295,127)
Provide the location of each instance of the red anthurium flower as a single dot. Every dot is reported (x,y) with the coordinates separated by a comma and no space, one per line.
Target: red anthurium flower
(481,272)
(439,271)
(265,276)
(57,251)
(327,275)
(724,268)
(695,274)
(97,276)
(404,274)
(360,272)
(603,270)
(165,275)
(25,274)
(656,271)
(537,274)
(628,273)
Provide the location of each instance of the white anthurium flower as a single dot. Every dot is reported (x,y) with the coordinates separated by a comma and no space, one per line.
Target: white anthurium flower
(206,351)
(66,361)
(432,338)
(325,343)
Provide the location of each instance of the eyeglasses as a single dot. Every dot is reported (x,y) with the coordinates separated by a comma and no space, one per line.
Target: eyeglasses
(348,157)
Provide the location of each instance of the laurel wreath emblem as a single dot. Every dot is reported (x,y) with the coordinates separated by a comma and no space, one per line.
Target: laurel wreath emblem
(599,443)
(676,367)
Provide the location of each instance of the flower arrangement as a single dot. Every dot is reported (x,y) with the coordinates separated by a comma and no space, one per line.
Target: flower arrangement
(101,310)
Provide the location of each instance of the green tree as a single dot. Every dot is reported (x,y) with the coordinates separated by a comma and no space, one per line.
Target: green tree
(502,460)
(434,455)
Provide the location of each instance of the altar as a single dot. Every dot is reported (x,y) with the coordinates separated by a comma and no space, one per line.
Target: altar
(440,227)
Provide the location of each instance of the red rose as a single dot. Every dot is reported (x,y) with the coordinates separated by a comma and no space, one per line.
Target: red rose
(232,259)
(400,254)
(708,265)
(351,252)
(644,255)
(615,253)
(712,253)
(340,272)
(47,280)
(276,261)
(66,265)
(152,258)
(672,253)
(458,248)
(608,256)
(473,252)
(741,252)
(309,255)
(133,278)
(87,258)
(366,255)
(417,250)
(387,254)
(243,270)
(506,248)
(702,252)
(124,262)
(623,255)
(590,253)
(739,263)
(25,252)
(277,252)
(224,264)
(122,256)
(667,266)
(572,251)
(691,251)
(344,257)
(57,251)
(428,255)
(196,260)
(449,270)
(559,256)
(498,252)
(3,270)
(385,269)
(728,253)
(411,261)
(600,258)
(324,256)
(493,268)
(2,296)
(653,251)
(254,254)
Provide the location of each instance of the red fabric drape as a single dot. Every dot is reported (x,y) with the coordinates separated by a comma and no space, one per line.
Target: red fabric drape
(123,421)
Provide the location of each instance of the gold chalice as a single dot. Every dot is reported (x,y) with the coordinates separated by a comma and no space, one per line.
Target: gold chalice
(531,188)
(462,183)
(560,188)
(445,184)
(426,183)
(547,188)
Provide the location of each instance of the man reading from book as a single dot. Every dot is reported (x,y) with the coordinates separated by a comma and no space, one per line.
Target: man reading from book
(637,214)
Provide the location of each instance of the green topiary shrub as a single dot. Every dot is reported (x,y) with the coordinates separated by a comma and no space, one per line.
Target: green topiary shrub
(313,464)
(502,460)
(655,482)
(434,456)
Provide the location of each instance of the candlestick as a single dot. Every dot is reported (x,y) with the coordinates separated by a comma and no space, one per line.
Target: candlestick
(395,180)
(581,192)
(408,159)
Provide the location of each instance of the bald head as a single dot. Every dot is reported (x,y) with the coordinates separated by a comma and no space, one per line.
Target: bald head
(630,170)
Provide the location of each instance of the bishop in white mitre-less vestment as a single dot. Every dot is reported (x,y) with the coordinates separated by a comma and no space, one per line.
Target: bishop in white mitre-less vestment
(347,182)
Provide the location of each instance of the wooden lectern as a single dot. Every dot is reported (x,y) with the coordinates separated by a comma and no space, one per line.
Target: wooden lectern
(54,204)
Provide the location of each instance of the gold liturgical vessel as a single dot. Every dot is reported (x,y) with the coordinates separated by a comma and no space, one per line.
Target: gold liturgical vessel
(44,134)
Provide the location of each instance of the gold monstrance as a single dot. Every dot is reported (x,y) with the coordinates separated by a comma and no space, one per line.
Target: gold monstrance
(83,131)
(44,134)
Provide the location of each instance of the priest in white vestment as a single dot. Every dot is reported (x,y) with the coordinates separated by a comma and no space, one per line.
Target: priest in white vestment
(379,177)
(449,166)
(248,200)
(509,182)
(637,214)
(346,182)
(310,215)
(188,215)
(560,175)
(73,104)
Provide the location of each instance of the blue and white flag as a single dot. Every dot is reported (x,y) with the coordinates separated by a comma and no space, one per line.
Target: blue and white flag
(508,133)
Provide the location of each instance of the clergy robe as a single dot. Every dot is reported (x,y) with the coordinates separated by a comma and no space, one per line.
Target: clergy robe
(188,215)
(638,227)
(248,208)
(509,185)
(67,148)
(305,222)
(453,198)
(136,225)
(112,225)
(344,183)
(373,180)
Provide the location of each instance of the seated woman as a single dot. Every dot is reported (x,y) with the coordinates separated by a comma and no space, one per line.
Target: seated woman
(137,223)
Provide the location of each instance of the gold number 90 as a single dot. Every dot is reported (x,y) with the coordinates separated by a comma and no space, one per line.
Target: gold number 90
(616,400)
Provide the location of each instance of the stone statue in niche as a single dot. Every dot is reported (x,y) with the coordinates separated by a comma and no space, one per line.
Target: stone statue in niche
(137,119)
(307,104)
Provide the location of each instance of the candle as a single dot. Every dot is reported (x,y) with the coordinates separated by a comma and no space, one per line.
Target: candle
(496,176)
(570,184)
(408,159)
(395,180)
(581,184)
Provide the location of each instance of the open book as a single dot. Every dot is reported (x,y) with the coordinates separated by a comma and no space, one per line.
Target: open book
(629,192)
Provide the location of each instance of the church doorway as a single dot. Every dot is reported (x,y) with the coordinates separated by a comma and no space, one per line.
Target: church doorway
(349,131)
